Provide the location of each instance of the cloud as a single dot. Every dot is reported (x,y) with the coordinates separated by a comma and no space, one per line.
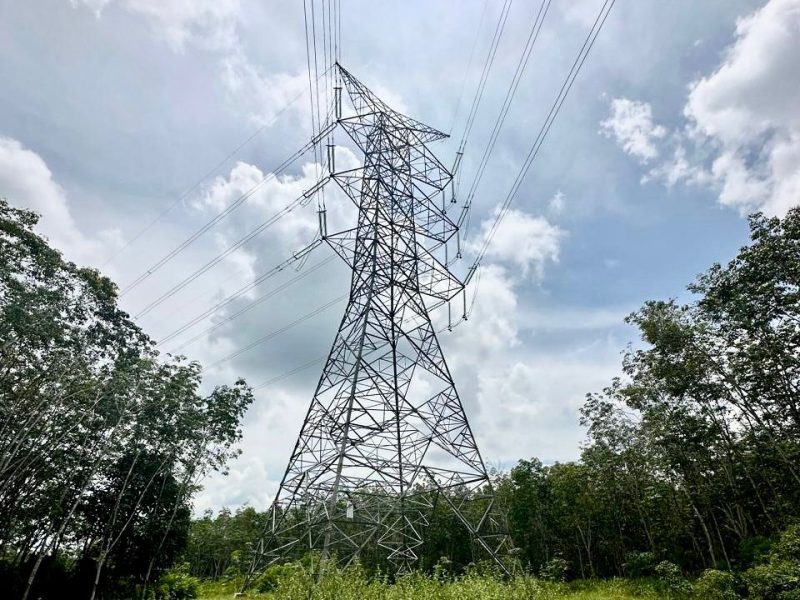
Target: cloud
(678,169)
(522,401)
(258,95)
(741,134)
(269,433)
(631,125)
(531,403)
(95,5)
(208,23)
(492,318)
(748,109)
(544,320)
(268,198)
(27,182)
(556,204)
(521,239)
(213,26)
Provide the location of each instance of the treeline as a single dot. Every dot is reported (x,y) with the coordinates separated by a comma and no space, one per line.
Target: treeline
(692,458)
(101,442)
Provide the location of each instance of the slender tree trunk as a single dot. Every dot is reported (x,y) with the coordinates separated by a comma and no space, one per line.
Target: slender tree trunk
(705,531)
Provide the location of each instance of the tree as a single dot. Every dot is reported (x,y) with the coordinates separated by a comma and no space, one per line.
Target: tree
(101,442)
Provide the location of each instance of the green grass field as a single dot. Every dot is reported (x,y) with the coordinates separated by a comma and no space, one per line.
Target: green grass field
(344,587)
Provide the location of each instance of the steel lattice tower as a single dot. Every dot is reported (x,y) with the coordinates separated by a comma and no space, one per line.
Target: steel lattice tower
(386,436)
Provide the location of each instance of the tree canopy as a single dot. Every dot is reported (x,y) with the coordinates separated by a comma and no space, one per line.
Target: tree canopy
(101,441)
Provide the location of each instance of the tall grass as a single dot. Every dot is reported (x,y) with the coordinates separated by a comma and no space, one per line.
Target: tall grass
(352,584)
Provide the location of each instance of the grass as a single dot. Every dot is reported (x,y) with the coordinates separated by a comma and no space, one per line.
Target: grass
(354,586)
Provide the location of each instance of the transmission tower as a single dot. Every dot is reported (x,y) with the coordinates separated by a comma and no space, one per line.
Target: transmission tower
(386,437)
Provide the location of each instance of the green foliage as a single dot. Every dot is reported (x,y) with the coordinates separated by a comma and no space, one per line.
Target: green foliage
(220,545)
(788,545)
(692,456)
(779,577)
(671,579)
(271,578)
(555,569)
(177,584)
(753,550)
(354,584)
(715,585)
(639,564)
(101,441)
(443,569)
(775,580)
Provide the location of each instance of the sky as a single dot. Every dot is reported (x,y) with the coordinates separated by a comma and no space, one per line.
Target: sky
(684,119)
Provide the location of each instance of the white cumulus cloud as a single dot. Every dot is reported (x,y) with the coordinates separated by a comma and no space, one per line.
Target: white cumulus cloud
(27,182)
(748,108)
(741,135)
(631,125)
(521,239)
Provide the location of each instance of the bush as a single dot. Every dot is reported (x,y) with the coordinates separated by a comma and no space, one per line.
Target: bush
(754,550)
(177,584)
(671,580)
(639,564)
(788,545)
(779,577)
(715,585)
(776,580)
(555,569)
(443,569)
(272,576)
(236,567)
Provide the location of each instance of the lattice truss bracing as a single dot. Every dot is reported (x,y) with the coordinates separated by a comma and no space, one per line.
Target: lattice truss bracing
(386,436)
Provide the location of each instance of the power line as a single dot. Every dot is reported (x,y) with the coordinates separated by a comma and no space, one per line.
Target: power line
(277,332)
(317,96)
(220,216)
(533,35)
(252,304)
(197,183)
(283,376)
(566,86)
(314,115)
(299,255)
(469,65)
(299,201)
(487,67)
(339,30)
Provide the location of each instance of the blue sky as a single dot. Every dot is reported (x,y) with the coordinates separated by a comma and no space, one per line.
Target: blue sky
(683,120)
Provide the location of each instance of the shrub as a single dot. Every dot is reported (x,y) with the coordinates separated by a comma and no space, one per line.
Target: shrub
(779,577)
(555,569)
(484,568)
(272,576)
(443,569)
(236,567)
(754,550)
(776,580)
(715,585)
(639,564)
(788,545)
(177,584)
(671,580)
